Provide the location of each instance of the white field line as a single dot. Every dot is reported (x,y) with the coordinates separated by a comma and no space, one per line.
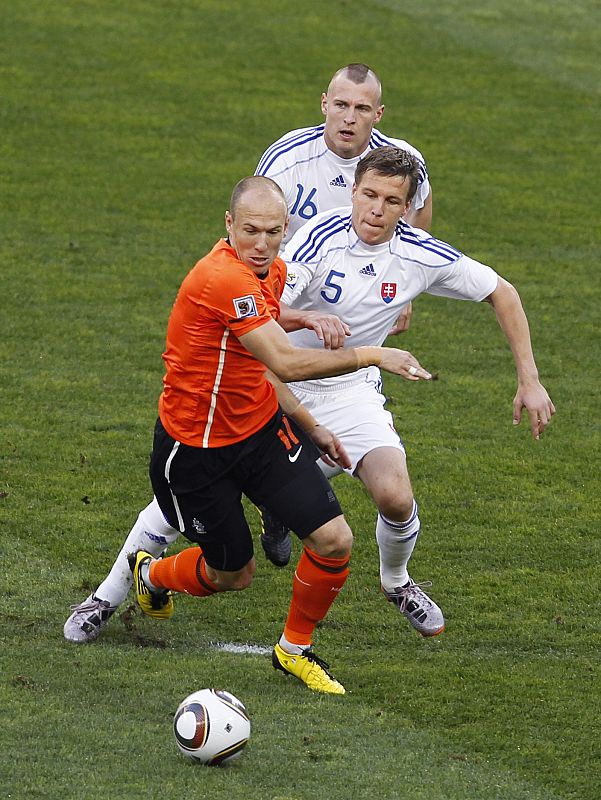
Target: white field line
(242,649)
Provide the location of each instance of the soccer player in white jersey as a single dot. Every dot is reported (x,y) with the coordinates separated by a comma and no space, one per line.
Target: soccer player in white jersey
(363,263)
(315,167)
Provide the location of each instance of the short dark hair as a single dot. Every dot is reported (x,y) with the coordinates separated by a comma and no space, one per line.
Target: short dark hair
(359,73)
(390,161)
(252,182)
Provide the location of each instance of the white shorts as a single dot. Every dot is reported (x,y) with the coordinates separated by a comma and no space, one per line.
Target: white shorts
(354,411)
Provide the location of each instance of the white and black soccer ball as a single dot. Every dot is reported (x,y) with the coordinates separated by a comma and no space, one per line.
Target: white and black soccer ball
(211,726)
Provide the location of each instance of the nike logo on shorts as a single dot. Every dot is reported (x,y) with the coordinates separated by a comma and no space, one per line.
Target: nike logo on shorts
(293,458)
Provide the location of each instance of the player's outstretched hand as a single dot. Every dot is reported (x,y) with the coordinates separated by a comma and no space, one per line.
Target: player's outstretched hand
(534,398)
(332,451)
(403,363)
(402,321)
(328,328)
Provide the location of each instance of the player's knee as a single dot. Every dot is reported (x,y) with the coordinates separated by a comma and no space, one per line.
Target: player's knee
(235,581)
(332,540)
(242,581)
(244,577)
(396,506)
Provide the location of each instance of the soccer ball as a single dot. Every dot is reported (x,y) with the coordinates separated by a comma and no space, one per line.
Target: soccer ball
(211,726)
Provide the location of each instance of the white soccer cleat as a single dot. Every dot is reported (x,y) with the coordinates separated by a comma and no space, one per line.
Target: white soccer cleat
(88,619)
(414,604)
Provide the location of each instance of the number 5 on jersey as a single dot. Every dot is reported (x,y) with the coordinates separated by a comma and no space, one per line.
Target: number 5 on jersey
(334,288)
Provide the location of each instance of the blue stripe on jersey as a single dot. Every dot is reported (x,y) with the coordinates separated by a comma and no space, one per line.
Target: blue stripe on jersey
(406,234)
(321,233)
(283,146)
(378,139)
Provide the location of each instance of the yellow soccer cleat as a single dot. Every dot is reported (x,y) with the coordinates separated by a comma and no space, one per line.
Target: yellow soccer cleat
(308,668)
(155,604)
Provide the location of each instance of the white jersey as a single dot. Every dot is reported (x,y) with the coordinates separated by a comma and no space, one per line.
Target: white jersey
(314,179)
(331,270)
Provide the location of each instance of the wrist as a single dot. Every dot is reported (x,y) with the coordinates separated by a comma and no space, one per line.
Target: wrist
(304,419)
(368,356)
(528,377)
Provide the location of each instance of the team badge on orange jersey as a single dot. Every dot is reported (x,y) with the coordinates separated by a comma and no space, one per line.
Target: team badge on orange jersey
(245,306)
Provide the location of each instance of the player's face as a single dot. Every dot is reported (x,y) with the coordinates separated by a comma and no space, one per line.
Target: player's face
(351,111)
(257,229)
(379,201)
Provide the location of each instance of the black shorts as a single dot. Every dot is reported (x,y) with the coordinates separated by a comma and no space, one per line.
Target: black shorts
(200,489)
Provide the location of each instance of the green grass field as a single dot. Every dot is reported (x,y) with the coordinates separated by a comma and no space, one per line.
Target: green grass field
(123,128)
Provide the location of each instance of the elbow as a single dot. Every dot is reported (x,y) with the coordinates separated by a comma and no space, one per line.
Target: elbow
(285,372)
(504,291)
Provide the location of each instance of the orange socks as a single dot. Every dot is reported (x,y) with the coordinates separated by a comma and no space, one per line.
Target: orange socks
(316,583)
(185,572)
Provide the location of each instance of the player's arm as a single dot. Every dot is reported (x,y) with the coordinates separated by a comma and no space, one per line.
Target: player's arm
(268,343)
(327,442)
(402,321)
(327,327)
(531,394)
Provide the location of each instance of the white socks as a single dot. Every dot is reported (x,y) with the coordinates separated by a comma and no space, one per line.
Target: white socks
(293,649)
(151,532)
(396,541)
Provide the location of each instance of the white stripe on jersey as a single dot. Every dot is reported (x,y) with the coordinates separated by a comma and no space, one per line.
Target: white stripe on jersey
(180,520)
(215,392)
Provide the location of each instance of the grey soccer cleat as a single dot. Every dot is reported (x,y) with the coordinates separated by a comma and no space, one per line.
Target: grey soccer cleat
(275,538)
(88,619)
(421,611)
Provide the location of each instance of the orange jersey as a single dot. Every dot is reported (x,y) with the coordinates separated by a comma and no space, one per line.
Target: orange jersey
(215,392)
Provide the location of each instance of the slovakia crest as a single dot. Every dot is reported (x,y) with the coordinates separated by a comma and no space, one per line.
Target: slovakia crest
(388,292)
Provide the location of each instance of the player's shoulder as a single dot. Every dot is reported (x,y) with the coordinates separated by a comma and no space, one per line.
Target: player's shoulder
(326,231)
(421,248)
(220,272)
(277,273)
(290,147)
(379,139)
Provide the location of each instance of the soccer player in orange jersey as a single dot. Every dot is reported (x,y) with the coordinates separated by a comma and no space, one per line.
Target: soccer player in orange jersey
(222,433)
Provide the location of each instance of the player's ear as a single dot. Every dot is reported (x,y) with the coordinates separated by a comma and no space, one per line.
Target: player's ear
(324,103)
(353,190)
(379,114)
(228,222)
